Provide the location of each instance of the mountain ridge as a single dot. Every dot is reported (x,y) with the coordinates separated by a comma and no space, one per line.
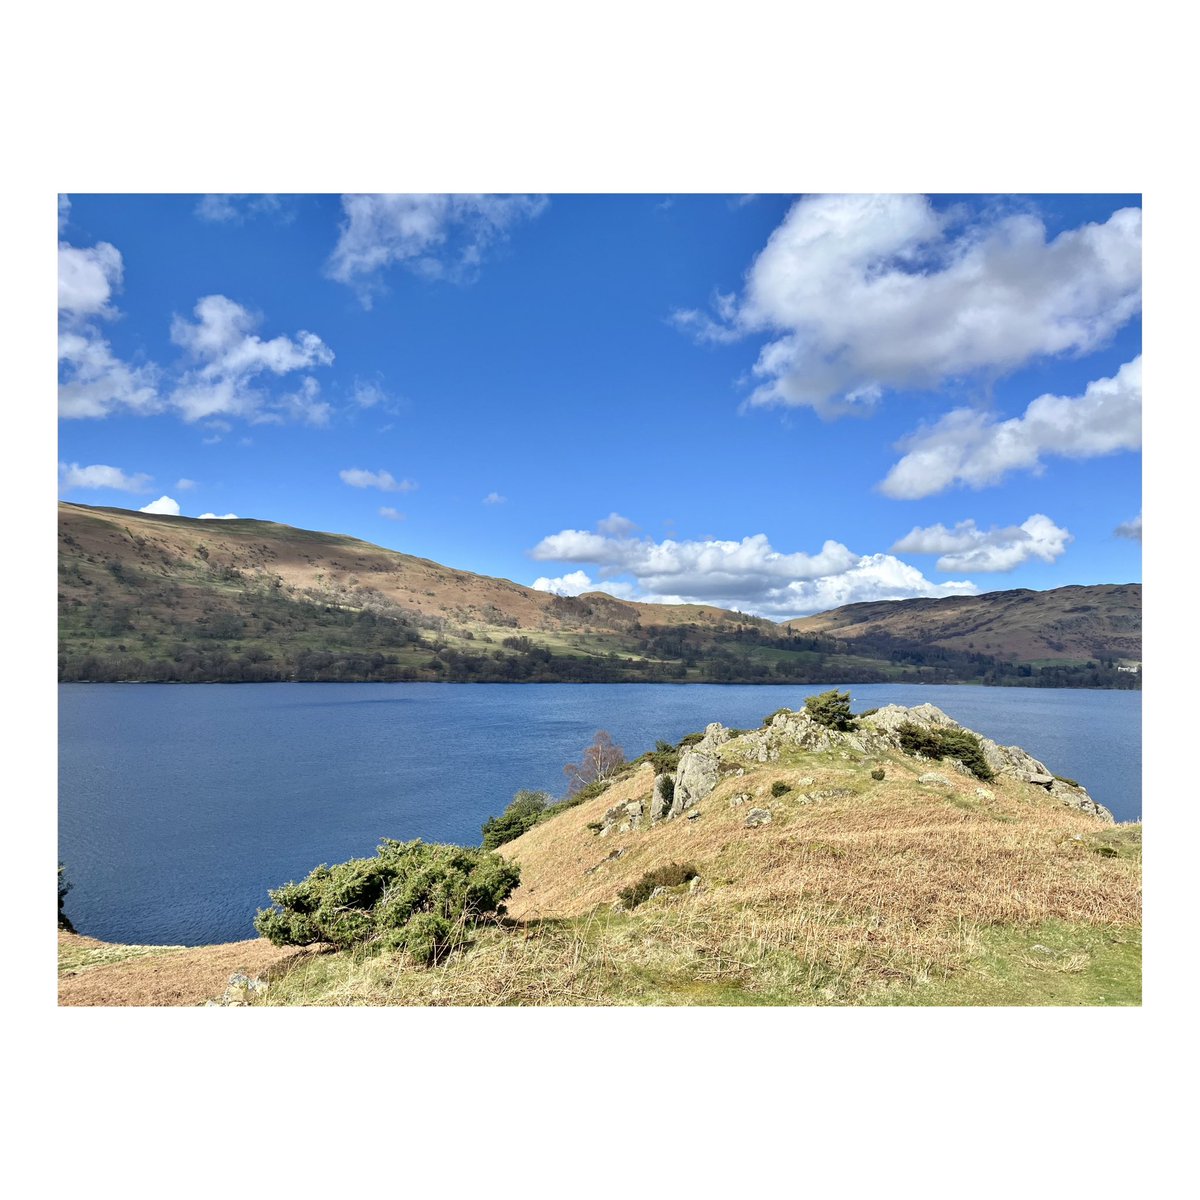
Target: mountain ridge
(152,597)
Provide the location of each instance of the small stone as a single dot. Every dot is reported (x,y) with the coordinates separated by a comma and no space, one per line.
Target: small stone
(933,779)
(1038,948)
(738,800)
(756,817)
(985,793)
(693,816)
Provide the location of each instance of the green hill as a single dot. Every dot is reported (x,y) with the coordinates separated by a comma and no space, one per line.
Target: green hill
(157,598)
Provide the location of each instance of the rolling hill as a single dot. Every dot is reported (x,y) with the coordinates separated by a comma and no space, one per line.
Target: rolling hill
(174,599)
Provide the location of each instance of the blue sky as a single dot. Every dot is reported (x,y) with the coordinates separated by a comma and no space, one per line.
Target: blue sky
(774,403)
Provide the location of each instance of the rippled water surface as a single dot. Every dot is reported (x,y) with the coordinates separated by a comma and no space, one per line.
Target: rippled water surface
(180,805)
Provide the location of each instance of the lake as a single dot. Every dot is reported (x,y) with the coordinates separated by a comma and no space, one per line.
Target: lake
(180,805)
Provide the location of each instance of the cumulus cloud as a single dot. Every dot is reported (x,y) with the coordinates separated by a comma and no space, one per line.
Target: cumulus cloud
(228,358)
(966,547)
(495,498)
(235,207)
(87,278)
(575,583)
(616,525)
(92,380)
(392,514)
(72,475)
(1131,529)
(973,448)
(748,574)
(434,236)
(383,480)
(164,506)
(217,516)
(864,294)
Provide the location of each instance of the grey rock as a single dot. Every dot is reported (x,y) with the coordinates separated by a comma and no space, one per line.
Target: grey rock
(738,800)
(694,815)
(659,804)
(934,779)
(985,793)
(756,817)
(696,775)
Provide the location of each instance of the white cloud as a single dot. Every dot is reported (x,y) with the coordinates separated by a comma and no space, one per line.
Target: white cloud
(236,207)
(435,236)
(367,394)
(577,582)
(164,506)
(304,405)
(383,480)
(184,485)
(616,525)
(392,514)
(72,476)
(966,547)
(864,294)
(1131,529)
(94,382)
(218,516)
(229,357)
(495,498)
(749,574)
(87,279)
(64,212)
(973,448)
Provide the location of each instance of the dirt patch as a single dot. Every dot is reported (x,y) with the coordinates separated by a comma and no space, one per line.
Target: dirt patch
(159,975)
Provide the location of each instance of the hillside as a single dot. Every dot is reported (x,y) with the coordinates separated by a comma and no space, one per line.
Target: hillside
(1067,624)
(158,598)
(829,868)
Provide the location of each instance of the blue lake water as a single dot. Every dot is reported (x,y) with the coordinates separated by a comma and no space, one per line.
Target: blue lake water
(180,805)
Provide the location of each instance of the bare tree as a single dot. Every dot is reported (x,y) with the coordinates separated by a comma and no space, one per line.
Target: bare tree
(600,761)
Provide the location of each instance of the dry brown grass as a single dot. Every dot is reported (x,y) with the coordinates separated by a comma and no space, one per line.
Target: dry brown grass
(894,881)
(892,891)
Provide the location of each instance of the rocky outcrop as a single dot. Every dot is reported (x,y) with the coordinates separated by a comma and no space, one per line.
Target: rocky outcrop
(622,817)
(1010,761)
(696,775)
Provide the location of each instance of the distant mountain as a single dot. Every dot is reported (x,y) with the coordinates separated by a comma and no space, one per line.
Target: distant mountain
(157,598)
(1068,625)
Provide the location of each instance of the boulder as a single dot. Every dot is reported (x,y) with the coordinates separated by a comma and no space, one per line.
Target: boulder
(696,775)
(660,803)
(934,779)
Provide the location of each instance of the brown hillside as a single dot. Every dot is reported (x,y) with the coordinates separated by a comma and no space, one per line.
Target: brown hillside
(1067,623)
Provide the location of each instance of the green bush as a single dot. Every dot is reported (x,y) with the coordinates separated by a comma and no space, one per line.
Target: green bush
(671,875)
(410,896)
(779,788)
(523,813)
(877,774)
(64,886)
(946,743)
(831,709)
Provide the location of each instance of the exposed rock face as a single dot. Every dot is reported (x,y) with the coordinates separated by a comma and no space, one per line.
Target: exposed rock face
(696,775)
(1011,761)
(660,802)
(877,733)
(622,817)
